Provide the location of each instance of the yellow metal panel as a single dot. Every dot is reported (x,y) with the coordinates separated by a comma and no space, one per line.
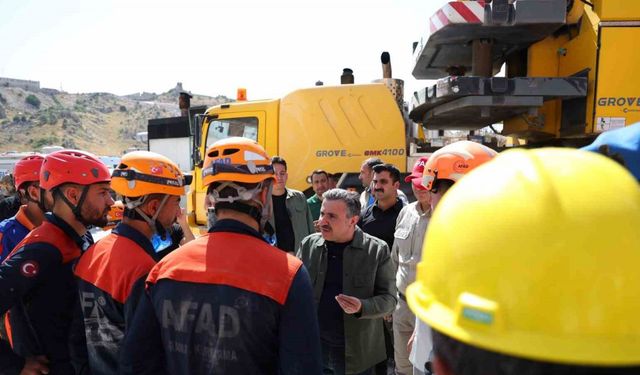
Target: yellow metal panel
(542,61)
(617,10)
(618,92)
(561,57)
(542,57)
(336,128)
(581,53)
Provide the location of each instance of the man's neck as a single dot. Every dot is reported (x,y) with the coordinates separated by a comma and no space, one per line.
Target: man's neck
(70,218)
(34,214)
(278,192)
(424,206)
(319,197)
(344,240)
(387,203)
(139,225)
(238,216)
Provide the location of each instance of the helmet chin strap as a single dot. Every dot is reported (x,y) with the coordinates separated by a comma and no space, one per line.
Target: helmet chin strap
(152,222)
(76,209)
(39,202)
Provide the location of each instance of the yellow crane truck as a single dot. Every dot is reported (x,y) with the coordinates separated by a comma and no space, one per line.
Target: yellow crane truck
(569,73)
(334,128)
(569,68)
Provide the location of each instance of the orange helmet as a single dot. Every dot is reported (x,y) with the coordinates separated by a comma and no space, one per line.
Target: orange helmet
(236,159)
(72,166)
(115,215)
(142,173)
(27,169)
(453,161)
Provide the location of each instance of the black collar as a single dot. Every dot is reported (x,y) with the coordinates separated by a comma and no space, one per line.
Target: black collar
(234,226)
(396,207)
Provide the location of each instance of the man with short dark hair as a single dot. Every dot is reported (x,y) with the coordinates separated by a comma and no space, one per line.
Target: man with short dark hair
(354,286)
(333,180)
(379,220)
(291,215)
(319,183)
(365,177)
(37,285)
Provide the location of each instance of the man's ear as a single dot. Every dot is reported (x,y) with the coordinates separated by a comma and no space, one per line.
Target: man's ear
(354,220)
(33,192)
(396,185)
(72,193)
(150,207)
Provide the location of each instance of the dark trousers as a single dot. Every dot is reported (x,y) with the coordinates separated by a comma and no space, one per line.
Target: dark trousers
(333,362)
(387,366)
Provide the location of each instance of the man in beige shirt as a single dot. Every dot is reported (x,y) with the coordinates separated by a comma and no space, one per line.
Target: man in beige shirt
(411,226)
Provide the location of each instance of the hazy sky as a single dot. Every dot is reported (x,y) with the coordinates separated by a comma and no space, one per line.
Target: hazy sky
(211,46)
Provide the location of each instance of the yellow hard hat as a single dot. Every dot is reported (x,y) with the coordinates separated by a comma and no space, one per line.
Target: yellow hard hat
(142,173)
(535,255)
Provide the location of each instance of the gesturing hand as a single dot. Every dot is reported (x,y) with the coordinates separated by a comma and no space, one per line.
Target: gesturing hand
(35,366)
(350,305)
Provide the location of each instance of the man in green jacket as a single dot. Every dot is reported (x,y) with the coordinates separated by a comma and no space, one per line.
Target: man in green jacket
(291,216)
(354,286)
(319,183)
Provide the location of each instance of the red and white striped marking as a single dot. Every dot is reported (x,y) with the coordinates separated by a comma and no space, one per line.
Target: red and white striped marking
(457,12)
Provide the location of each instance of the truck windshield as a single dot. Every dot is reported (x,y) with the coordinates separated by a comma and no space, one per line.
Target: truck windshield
(232,127)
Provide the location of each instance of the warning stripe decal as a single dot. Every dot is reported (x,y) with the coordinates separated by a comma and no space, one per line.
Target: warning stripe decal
(457,12)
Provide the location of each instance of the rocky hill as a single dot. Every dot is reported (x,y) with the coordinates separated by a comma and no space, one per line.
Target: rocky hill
(102,123)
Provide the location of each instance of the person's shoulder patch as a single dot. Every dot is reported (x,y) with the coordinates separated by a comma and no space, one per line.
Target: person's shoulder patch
(29,268)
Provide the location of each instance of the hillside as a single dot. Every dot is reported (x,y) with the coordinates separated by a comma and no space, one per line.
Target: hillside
(102,123)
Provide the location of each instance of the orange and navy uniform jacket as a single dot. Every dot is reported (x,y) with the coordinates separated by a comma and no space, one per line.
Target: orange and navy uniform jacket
(39,291)
(225,303)
(14,230)
(111,281)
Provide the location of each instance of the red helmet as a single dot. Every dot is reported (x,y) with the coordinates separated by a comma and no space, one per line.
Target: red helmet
(27,169)
(72,166)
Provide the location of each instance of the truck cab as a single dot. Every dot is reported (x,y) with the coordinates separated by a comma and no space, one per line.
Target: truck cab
(334,128)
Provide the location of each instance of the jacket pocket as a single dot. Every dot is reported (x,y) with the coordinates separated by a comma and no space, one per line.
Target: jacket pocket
(363,280)
(401,233)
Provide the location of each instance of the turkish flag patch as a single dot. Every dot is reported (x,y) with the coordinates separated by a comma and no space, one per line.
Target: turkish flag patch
(156,170)
(29,268)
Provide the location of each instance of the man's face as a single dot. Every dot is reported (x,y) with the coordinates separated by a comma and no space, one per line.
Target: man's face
(96,205)
(281,175)
(383,186)
(435,197)
(423,196)
(319,183)
(333,222)
(169,212)
(365,176)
